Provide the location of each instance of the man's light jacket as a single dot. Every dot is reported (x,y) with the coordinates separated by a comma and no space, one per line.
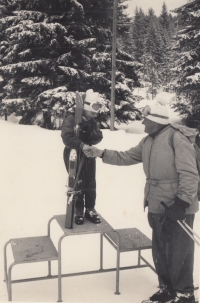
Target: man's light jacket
(170,169)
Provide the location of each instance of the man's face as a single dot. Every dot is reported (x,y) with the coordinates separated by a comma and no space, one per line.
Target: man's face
(90,115)
(150,126)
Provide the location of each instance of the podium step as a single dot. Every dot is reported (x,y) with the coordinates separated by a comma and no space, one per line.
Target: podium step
(40,249)
(130,239)
(87,228)
(33,249)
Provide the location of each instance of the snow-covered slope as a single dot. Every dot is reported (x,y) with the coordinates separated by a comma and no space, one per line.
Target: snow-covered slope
(32,188)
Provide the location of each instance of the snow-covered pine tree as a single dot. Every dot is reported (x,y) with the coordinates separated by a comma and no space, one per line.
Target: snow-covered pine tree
(187,65)
(150,73)
(167,30)
(3,13)
(123,29)
(164,18)
(138,33)
(50,49)
(151,38)
(152,57)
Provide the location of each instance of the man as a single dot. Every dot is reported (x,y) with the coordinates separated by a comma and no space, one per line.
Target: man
(169,164)
(89,134)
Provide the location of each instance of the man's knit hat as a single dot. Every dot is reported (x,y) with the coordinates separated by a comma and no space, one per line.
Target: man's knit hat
(158,112)
(92,101)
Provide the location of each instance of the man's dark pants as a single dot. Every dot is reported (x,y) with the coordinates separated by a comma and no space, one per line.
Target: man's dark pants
(88,181)
(174,260)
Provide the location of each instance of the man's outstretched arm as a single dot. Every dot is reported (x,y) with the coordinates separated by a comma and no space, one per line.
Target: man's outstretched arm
(129,157)
(92,151)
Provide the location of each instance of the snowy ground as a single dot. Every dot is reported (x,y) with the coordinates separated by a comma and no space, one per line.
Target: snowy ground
(32,187)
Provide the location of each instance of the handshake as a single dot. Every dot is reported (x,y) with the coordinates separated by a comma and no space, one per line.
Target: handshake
(92,151)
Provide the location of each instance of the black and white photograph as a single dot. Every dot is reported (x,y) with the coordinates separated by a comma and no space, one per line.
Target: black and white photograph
(100,151)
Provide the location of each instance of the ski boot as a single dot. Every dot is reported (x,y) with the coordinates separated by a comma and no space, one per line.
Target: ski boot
(79,218)
(186,297)
(91,215)
(161,296)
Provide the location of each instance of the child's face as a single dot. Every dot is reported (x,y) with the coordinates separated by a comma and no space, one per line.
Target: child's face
(90,115)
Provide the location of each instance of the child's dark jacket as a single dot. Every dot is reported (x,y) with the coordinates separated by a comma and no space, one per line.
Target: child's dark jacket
(90,133)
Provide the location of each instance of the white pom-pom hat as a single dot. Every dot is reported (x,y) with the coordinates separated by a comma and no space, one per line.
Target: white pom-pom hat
(158,112)
(92,101)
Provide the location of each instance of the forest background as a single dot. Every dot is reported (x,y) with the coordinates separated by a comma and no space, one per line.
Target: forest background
(50,49)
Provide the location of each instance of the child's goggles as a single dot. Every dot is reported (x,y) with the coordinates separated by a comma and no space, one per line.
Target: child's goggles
(95,107)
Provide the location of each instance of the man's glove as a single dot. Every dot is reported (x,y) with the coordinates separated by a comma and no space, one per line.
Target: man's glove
(176,211)
(173,213)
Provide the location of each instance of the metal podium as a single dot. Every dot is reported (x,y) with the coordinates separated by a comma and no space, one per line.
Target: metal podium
(40,249)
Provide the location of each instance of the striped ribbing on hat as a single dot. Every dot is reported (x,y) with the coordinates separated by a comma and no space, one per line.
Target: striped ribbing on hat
(158,116)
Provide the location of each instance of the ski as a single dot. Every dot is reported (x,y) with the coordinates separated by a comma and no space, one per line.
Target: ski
(149,301)
(75,167)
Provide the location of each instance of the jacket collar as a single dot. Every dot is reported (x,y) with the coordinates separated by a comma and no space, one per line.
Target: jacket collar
(165,127)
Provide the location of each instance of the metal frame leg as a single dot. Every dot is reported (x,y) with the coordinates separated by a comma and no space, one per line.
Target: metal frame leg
(49,235)
(9,286)
(139,257)
(59,269)
(101,251)
(5,262)
(49,227)
(118,264)
(49,269)
(7,273)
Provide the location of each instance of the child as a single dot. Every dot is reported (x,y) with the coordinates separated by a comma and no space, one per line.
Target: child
(90,134)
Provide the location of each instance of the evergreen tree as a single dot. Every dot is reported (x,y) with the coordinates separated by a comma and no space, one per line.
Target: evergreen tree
(139,29)
(165,66)
(150,74)
(164,18)
(152,57)
(165,32)
(123,30)
(172,25)
(50,49)
(151,38)
(187,65)
(165,29)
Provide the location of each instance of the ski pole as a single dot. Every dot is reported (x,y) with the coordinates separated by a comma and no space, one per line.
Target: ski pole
(184,225)
(189,231)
